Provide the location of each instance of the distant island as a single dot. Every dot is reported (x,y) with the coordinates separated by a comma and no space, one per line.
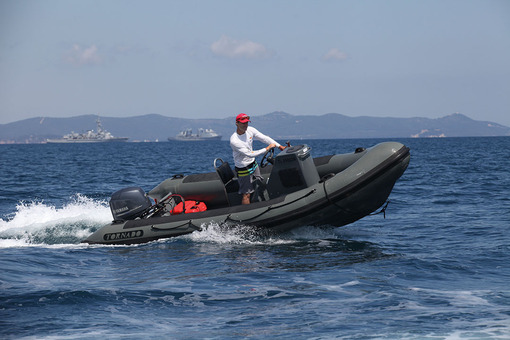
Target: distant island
(279,125)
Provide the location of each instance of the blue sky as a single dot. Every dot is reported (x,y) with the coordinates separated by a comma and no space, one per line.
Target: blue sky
(214,59)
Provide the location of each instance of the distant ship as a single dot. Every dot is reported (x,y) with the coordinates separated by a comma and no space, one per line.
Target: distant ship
(101,136)
(202,135)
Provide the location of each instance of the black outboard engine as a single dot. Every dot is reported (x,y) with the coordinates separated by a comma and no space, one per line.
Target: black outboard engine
(293,170)
(129,203)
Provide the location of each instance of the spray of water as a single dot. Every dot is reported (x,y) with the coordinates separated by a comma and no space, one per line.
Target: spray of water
(37,223)
(242,234)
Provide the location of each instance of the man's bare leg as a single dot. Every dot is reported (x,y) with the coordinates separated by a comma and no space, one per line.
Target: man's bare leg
(246,199)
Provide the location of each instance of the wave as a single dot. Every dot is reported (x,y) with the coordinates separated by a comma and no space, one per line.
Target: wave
(38,223)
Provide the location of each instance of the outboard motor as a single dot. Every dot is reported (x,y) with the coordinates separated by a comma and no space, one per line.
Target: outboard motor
(129,203)
(293,170)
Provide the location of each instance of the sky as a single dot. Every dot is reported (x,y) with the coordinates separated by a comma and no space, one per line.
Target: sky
(215,59)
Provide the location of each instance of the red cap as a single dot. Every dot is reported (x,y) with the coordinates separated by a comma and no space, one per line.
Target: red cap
(243,118)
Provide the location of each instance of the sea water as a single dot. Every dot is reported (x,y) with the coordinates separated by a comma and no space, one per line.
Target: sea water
(437,267)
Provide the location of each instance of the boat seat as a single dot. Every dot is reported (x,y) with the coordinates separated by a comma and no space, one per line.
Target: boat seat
(224,171)
(229,180)
(226,175)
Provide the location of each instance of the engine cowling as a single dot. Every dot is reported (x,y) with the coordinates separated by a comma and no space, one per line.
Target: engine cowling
(129,203)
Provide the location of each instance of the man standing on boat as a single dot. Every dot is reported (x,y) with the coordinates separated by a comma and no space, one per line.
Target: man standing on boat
(246,166)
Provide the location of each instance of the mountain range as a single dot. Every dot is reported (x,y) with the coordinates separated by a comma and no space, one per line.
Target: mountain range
(279,125)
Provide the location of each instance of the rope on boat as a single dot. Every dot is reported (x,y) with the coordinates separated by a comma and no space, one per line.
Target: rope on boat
(383,210)
(347,211)
(189,224)
(270,208)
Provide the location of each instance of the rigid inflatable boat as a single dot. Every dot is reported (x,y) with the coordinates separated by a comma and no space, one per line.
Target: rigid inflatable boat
(296,190)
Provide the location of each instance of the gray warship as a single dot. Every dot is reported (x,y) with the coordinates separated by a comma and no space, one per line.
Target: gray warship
(91,136)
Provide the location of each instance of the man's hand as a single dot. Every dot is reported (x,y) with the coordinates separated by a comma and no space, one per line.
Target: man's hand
(270,146)
(281,147)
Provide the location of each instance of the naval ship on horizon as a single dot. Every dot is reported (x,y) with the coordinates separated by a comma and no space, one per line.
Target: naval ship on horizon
(100,136)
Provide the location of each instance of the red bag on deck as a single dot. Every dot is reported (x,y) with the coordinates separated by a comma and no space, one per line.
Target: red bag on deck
(191,207)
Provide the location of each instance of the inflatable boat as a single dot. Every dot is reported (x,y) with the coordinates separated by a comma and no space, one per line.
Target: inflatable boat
(296,190)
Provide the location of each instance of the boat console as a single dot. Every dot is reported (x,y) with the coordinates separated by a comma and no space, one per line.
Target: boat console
(293,170)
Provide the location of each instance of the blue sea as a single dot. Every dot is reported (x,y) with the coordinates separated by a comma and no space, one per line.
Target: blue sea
(436,267)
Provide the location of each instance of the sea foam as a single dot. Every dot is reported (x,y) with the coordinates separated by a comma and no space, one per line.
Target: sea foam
(39,223)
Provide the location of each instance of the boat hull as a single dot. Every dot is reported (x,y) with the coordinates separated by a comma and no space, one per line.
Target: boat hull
(351,186)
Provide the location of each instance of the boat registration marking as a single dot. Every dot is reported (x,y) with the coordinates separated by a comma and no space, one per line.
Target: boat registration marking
(123,235)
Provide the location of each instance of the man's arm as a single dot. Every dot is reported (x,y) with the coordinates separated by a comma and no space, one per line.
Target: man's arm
(265,139)
(241,148)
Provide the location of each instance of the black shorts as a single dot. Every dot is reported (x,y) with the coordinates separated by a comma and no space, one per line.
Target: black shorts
(246,182)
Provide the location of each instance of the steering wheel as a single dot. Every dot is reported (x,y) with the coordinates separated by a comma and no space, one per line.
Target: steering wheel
(267,158)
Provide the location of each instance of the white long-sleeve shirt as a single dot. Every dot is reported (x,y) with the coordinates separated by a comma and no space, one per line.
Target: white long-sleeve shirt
(242,146)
